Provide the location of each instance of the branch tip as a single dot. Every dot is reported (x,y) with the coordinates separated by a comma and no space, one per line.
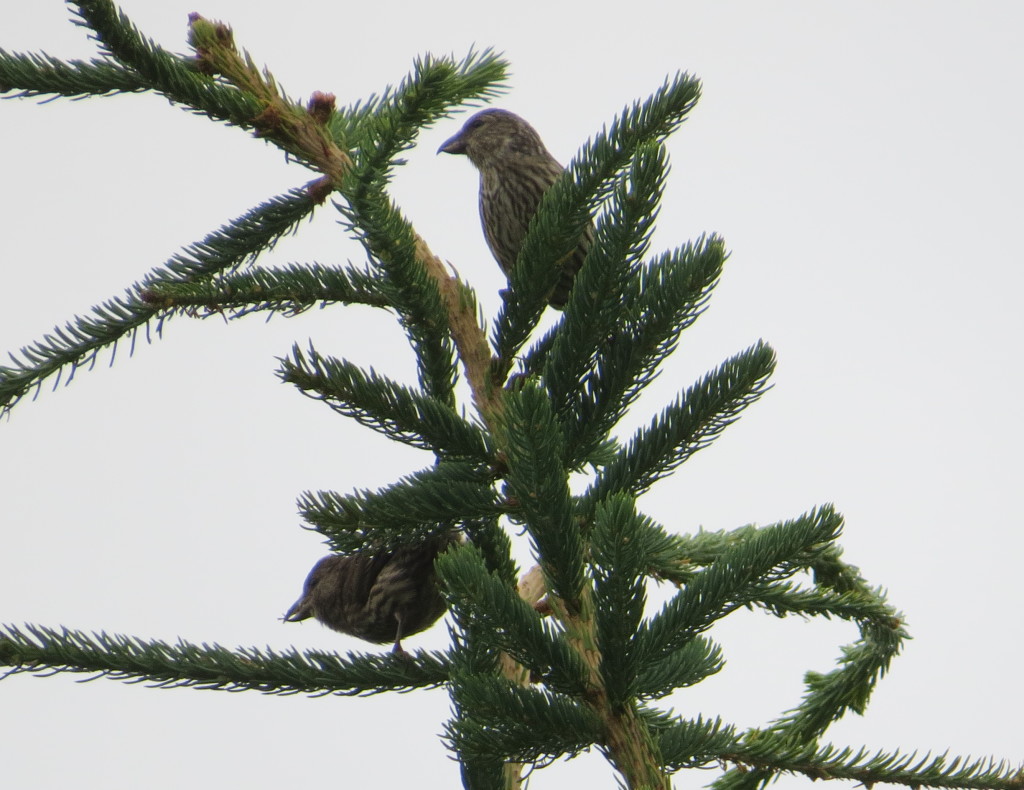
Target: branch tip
(321,107)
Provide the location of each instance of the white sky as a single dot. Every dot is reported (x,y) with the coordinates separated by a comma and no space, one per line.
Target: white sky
(864,164)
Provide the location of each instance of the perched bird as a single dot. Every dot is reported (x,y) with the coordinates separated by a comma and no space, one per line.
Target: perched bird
(377,596)
(515,171)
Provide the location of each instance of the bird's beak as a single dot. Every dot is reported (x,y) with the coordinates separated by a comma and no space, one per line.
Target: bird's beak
(301,610)
(453,145)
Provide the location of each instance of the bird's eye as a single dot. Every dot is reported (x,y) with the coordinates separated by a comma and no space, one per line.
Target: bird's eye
(476,123)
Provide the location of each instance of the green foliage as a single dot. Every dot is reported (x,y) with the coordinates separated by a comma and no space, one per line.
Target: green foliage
(419,504)
(396,411)
(696,418)
(45,650)
(534,674)
(506,622)
(539,485)
(620,593)
(158,70)
(38,74)
(594,316)
(525,724)
(77,343)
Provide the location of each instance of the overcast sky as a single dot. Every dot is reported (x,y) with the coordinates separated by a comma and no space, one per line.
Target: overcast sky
(863,163)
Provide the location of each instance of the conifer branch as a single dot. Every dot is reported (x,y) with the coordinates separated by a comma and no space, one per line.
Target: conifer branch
(695,661)
(729,582)
(540,489)
(619,570)
(38,74)
(691,743)
(288,290)
(525,724)
(46,650)
(691,423)
(594,309)
(666,298)
(416,506)
(763,757)
(77,343)
(373,400)
(508,623)
(172,75)
(564,659)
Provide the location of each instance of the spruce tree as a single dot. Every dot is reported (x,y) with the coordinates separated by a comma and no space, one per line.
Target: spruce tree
(566,656)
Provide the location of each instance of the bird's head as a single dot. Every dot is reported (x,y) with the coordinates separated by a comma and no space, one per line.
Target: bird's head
(491,137)
(323,580)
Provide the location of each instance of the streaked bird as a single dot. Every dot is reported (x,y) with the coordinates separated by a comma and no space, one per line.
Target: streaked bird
(515,172)
(376,596)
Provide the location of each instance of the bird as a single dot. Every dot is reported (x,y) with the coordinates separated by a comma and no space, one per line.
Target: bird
(377,596)
(516,169)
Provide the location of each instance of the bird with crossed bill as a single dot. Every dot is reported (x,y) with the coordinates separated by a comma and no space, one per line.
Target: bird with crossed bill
(377,596)
(516,170)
